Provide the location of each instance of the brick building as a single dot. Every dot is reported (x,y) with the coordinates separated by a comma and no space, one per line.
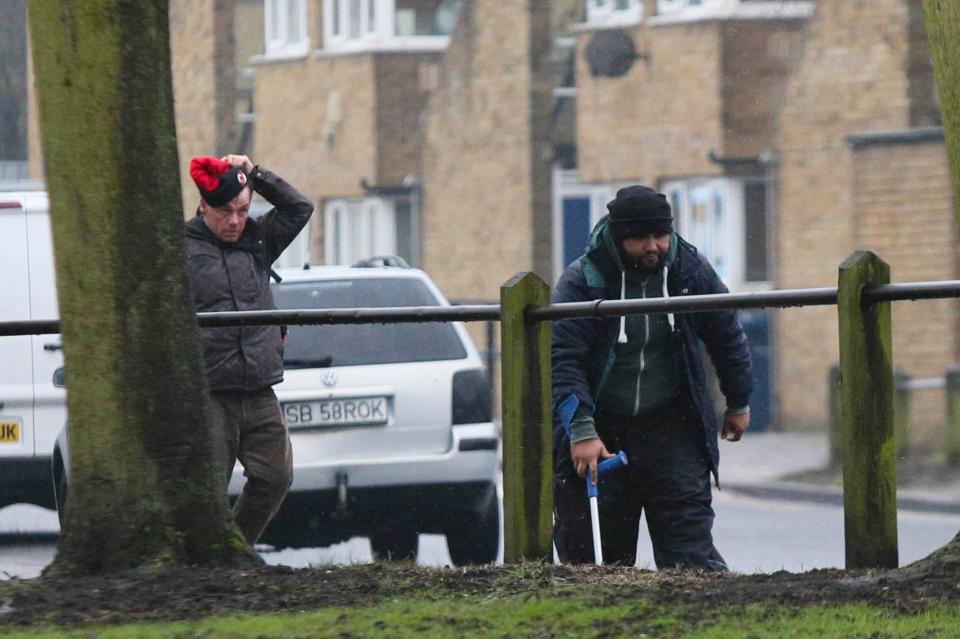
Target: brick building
(477,139)
(339,91)
(210,42)
(860,169)
(692,111)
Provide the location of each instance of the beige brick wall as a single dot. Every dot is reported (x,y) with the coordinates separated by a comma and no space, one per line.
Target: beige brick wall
(316,122)
(403,81)
(706,86)
(316,126)
(757,58)
(328,121)
(850,78)
(201,36)
(480,156)
(248,27)
(200,33)
(34,149)
(663,117)
(924,106)
(903,211)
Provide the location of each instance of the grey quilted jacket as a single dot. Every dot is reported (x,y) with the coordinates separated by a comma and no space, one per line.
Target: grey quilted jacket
(235,276)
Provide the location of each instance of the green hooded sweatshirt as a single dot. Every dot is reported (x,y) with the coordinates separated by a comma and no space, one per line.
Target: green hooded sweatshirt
(646,371)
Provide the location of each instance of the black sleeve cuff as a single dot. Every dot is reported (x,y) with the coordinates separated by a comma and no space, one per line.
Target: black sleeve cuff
(738,401)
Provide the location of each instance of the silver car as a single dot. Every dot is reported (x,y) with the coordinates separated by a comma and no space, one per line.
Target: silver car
(390,423)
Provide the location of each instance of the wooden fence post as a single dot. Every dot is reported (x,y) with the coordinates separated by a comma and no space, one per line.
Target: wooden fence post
(834,400)
(527,422)
(866,417)
(901,411)
(953,415)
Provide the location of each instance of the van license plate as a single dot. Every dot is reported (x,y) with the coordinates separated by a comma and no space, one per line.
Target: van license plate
(9,432)
(354,411)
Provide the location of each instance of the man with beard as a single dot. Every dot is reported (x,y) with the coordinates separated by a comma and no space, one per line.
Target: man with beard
(637,384)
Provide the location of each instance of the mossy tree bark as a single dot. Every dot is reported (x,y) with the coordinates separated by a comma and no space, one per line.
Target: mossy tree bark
(145,485)
(943,32)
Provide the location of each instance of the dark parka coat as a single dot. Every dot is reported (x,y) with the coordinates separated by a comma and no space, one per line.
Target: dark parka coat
(235,276)
(583,349)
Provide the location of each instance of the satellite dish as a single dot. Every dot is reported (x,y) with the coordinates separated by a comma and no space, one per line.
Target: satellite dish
(610,53)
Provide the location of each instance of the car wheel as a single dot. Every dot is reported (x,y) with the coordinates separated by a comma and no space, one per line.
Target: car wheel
(394,542)
(474,537)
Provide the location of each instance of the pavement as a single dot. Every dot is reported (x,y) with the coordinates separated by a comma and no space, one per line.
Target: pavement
(755,465)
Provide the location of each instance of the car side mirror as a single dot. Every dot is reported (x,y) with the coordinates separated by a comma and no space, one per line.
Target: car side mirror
(60,378)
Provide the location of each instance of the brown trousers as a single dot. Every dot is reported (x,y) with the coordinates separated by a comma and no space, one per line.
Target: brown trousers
(253,431)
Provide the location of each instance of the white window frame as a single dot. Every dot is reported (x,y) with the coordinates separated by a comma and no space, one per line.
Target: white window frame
(281,39)
(370,220)
(605,12)
(686,9)
(567,184)
(367,31)
(297,252)
(729,241)
(372,37)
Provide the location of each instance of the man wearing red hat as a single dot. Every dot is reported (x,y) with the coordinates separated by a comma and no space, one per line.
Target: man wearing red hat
(229,258)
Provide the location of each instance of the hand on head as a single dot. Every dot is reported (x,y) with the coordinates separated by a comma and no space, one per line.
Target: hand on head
(241,161)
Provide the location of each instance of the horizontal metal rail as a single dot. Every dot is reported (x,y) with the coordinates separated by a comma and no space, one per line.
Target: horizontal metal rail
(304,317)
(687,304)
(912,291)
(922,384)
(389,315)
(491,312)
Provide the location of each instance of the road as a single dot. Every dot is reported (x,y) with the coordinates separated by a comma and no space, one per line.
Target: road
(753,535)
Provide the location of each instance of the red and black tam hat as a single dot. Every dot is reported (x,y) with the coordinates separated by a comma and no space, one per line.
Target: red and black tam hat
(218,181)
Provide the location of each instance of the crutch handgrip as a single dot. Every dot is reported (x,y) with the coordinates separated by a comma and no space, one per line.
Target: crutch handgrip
(609,464)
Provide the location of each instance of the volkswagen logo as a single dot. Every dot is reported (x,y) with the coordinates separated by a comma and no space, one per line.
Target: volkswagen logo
(329,378)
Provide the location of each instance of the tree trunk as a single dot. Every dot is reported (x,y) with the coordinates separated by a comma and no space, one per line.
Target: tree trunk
(145,484)
(943,32)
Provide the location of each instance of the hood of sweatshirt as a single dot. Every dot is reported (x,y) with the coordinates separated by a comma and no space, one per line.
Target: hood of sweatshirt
(603,263)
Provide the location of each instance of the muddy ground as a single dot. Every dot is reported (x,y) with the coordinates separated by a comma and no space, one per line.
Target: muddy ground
(190,593)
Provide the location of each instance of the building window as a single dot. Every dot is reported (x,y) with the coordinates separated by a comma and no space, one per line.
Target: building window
(577,207)
(620,11)
(297,252)
(361,228)
(726,219)
(285,24)
(366,23)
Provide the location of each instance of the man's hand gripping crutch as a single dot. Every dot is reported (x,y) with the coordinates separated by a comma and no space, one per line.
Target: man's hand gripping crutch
(592,469)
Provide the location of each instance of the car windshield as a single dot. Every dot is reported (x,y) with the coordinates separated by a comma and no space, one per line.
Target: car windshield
(362,344)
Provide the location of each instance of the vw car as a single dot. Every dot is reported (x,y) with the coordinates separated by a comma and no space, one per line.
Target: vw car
(390,423)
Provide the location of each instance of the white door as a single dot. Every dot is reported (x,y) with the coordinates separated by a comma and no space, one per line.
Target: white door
(50,408)
(16,373)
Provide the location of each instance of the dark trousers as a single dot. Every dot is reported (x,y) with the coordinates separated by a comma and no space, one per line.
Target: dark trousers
(252,430)
(668,478)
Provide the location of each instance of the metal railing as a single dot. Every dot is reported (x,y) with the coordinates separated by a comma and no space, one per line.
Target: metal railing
(865,400)
(904,388)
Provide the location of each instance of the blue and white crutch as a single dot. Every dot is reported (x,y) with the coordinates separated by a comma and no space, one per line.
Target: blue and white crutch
(567,409)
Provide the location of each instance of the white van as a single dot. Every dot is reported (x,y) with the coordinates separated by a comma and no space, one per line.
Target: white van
(33,402)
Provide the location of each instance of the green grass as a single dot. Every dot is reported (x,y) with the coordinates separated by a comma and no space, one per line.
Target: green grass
(572,616)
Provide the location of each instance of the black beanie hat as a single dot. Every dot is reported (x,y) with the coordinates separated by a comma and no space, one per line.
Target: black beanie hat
(218,181)
(638,210)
